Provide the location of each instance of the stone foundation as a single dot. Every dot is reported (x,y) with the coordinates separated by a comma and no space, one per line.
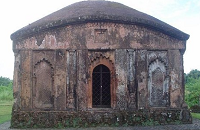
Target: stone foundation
(65,119)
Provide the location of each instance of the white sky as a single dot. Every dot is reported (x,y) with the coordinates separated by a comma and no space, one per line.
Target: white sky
(182,14)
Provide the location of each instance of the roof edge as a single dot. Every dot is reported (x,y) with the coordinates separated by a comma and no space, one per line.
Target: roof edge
(97,11)
(23,33)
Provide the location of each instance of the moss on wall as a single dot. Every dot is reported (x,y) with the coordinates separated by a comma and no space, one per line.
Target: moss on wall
(61,119)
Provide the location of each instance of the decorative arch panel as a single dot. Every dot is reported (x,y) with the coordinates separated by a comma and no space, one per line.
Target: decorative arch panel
(158,84)
(43,84)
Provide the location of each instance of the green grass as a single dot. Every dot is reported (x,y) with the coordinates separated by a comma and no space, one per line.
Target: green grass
(196,115)
(6,101)
(5,111)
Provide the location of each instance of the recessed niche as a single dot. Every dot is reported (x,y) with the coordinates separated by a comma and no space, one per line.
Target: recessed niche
(101,35)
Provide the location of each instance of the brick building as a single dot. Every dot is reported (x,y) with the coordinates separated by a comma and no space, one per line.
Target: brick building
(98,62)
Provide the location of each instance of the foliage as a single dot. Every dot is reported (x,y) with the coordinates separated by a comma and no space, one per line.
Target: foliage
(6,93)
(5,82)
(6,89)
(193,74)
(192,88)
(195,109)
(150,122)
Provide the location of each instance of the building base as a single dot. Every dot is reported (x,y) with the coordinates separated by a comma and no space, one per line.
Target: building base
(65,119)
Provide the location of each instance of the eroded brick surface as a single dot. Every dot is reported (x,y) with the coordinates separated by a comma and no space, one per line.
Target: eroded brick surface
(53,80)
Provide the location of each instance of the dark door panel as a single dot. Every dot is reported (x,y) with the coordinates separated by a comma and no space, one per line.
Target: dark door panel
(101,97)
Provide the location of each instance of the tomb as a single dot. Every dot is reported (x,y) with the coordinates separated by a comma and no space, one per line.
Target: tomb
(97,63)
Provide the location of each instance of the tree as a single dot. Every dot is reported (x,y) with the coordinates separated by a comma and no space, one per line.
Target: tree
(5,81)
(192,92)
(193,74)
(192,87)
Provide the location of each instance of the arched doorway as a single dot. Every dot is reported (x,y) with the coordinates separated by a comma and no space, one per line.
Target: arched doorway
(101,94)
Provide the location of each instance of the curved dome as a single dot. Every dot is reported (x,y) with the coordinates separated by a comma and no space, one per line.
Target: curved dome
(97,11)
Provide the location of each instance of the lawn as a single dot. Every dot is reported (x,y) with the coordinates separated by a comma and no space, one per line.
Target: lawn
(6,101)
(5,111)
(196,115)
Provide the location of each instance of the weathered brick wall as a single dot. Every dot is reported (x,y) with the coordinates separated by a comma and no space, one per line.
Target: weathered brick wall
(176,78)
(63,119)
(26,81)
(67,56)
(86,36)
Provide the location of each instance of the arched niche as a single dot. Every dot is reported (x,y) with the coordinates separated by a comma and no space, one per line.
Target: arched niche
(43,85)
(158,84)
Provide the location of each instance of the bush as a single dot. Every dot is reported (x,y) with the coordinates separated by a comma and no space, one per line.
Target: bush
(6,93)
(195,109)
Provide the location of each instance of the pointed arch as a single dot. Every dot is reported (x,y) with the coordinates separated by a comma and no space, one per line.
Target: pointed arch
(101,97)
(43,84)
(158,84)
(101,60)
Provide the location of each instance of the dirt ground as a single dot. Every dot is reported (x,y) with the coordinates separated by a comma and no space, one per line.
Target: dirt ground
(194,126)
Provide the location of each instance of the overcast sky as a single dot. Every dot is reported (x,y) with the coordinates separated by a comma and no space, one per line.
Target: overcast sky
(182,14)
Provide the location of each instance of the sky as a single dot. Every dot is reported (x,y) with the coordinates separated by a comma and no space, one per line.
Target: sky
(182,14)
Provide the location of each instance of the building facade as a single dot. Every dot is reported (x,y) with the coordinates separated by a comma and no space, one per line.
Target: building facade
(98,62)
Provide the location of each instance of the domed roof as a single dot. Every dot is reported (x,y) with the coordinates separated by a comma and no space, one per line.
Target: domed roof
(97,11)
